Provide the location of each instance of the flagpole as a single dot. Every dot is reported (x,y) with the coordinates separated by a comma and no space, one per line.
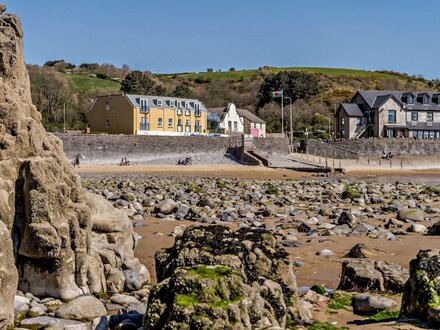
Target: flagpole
(282,113)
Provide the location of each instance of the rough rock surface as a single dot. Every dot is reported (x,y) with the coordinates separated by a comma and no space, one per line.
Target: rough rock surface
(218,278)
(421,297)
(56,234)
(363,275)
(370,304)
(8,278)
(83,308)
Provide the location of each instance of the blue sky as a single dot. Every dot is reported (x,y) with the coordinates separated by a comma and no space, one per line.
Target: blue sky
(192,35)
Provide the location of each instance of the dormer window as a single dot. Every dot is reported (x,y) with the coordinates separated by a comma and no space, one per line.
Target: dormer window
(159,103)
(173,104)
(187,106)
(425,99)
(197,106)
(410,99)
(178,105)
(144,105)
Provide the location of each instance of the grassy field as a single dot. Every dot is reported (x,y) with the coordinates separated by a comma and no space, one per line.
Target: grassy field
(85,83)
(235,75)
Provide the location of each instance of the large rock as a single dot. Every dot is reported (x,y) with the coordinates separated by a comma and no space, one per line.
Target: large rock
(82,308)
(434,230)
(216,278)
(363,275)
(8,278)
(411,215)
(46,211)
(166,206)
(421,297)
(370,304)
(47,322)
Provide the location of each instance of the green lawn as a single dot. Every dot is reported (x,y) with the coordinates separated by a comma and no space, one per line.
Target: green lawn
(235,75)
(84,83)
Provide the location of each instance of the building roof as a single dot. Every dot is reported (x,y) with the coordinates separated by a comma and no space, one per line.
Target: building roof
(152,99)
(241,112)
(250,116)
(375,99)
(352,109)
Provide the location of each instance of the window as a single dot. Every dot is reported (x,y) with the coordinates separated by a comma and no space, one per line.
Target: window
(414,116)
(197,106)
(391,116)
(107,105)
(107,124)
(342,121)
(144,124)
(235,126)
(170,122)
(187,122)
(144,105)
(159,103)
(197,113)
(358,121)
(425,99)
(430,116)
(173,104)
(197,126)
(229,126)
(159,122)
(410,99)
(179,105)
(179,122)
(187,105)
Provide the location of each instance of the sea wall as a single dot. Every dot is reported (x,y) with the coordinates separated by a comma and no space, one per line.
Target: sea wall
(374,147)
(109,149)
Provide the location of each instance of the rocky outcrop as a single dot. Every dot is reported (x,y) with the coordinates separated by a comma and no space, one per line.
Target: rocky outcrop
(8,278)
(421,297)
(63,248)
(363,275)
(214,277)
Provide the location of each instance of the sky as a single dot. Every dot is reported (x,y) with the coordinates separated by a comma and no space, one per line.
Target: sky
(167,36)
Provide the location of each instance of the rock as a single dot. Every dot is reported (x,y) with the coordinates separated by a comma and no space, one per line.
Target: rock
(324,253)
(166,206)
(434,230)
(346,218)
(364,275)
(82,308)
(370,304)
(315,298)
(422,291)
(305,311)
(47,322)
(358,251)
(124,300)
(417,228)
(2,8)
(252,270)
(393,224)
(177,231)
(8,278)
(411,215)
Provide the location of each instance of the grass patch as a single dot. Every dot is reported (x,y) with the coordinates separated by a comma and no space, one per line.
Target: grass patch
(272,190)
(82,83)
(384,315)
(324,326)
(208,272)
(320,289)
(341,302)
(351,194)
(192,187)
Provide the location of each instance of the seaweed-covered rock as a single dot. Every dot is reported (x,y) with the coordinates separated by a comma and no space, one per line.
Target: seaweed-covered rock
(421,297)
(363,275)
(411,215)
(216,278)
(434,230)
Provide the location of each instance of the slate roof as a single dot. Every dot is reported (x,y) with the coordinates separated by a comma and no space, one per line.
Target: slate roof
(135,100)
(241,112)
(352,109)
(375,99)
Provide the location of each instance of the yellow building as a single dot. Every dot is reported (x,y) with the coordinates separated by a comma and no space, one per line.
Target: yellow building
(147,115)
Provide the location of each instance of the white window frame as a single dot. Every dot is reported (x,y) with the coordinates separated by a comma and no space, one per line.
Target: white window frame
(160,122)
(196,106)
(432,116)
(159,103)
(187,105)
(143,104)
(172,104)
(425,97)
(170,122)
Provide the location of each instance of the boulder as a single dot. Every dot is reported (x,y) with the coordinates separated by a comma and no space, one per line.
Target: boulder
(364,275)
(83,308)
(47,322)
(251,271)
(411,215)
(346,218)
(370,304)
(422,291)
(166,206)
(434,230)
(359,251)
(417,228)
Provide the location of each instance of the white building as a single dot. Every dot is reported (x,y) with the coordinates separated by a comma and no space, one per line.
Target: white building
(231,120)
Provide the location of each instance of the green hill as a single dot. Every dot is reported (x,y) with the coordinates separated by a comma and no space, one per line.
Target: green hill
(82,83)
(235,75)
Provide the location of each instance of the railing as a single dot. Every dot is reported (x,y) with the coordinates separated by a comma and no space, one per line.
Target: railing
(360,130)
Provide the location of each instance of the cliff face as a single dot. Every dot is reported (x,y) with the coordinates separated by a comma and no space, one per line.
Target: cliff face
(43,206)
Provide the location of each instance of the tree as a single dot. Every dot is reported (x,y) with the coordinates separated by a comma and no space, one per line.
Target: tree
(137,82)
(232,69)
(183,91)
(297,85)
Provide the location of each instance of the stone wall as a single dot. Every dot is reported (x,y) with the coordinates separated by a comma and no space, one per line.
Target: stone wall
(373,147)
(109,149)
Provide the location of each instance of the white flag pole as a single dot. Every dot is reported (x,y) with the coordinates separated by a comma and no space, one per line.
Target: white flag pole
(282,113)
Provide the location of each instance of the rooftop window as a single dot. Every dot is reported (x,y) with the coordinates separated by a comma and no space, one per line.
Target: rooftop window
(410,99)
(425,99)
